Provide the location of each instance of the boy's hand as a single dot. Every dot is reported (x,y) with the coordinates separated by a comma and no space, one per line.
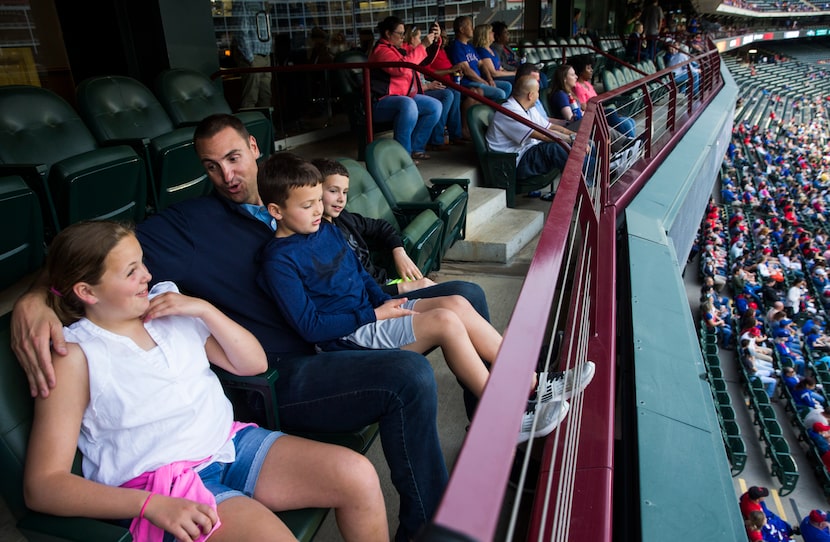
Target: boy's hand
(392,309)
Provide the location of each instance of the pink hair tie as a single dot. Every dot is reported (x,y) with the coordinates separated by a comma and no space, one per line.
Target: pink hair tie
(55,291)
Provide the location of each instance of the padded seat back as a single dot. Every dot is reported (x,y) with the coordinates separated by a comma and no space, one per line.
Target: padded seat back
(122,109)
(21,245)
(399,178)
(39,127)
(54,151)
(189,96)
(117,107)
(16,410)
(402,185)
(479,117)
(421,236)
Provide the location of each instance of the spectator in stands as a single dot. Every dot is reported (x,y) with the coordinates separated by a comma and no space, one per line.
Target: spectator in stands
(653,22)
(199,243)
(817,415)
(565,108)
(674,56)
(489,63)
(536,153)
(819,434)
(253,50)
(806,394)
(753,500)
(396,90)
(178,463)
(786,354)
(795,297)
(815,527)
(366,40)
(308,256)
(790,378)
(461,50)
(501,46)
(755,524)
(716,324)
(636,46)
(753,371)
(445,71)
(583,66)
(435,89)
(633,19)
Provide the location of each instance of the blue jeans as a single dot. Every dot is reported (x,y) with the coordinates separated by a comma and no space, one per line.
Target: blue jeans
(624,125)
(450,110)
(497,93)
(413,118)
(349,389)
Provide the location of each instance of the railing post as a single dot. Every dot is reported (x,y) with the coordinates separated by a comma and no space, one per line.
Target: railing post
(367,99)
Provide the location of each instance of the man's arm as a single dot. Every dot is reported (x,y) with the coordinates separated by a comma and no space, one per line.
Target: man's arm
(35,327)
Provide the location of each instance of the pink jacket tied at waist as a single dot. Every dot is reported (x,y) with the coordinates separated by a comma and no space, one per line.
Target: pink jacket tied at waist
(174,480)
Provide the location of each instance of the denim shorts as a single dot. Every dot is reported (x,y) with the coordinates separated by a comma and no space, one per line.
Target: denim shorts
(385,334)
(226,480)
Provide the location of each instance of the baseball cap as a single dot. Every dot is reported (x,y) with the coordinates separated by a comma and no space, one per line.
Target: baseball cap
(756,492)
(817,516)
(819,427)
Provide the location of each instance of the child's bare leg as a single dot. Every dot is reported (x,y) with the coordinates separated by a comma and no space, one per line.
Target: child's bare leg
(302,473)
(486,340)
(442,327)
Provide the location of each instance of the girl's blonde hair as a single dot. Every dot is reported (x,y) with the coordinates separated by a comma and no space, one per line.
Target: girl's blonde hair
(481,35)
(77,254)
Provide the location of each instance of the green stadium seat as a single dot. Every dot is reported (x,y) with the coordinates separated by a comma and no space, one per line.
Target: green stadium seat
(421,236)
(45,141)
(405,190)
(22,242)
(188,96)
(120,109)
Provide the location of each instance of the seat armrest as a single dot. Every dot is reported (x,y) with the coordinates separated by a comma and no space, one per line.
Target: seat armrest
(27,171)
(261,384)
(414,208)
(463,183)
(138,143)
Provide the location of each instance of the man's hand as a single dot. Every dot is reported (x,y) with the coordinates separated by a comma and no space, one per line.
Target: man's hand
(34,327)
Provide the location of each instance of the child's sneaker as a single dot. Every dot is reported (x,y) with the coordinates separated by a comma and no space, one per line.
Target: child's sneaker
(563,385)
(547,416)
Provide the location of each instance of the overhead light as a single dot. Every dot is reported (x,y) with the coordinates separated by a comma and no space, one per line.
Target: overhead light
(753,51)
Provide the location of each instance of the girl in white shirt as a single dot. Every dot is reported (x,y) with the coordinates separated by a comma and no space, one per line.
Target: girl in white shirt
(137,396)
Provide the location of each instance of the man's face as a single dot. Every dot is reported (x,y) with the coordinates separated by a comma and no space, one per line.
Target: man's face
(467,28)
(230,163)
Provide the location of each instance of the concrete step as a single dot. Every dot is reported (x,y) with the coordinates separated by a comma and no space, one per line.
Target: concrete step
(494,232)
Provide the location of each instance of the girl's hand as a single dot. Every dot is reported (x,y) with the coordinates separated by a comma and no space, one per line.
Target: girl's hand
(435,85)
(392,309)
(183,518)
(172,303)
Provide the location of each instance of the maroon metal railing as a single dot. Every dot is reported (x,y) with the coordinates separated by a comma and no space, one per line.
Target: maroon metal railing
(568,299)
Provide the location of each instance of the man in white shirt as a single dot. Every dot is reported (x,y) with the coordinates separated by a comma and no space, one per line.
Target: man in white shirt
(537,153)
